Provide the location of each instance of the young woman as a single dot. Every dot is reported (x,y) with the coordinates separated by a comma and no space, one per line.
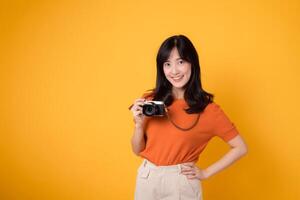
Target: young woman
(170,145)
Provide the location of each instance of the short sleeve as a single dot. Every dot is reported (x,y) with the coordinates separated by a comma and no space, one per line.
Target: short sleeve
(223,127)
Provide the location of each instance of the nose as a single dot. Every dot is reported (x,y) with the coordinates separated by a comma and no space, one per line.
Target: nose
(174,70)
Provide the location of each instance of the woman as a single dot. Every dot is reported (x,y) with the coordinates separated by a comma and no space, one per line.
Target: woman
(170,145)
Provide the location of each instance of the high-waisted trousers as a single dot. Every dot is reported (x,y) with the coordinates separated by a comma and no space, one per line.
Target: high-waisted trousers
(165,183)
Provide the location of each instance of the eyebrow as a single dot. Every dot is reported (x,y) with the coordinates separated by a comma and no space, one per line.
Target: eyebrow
(176,59)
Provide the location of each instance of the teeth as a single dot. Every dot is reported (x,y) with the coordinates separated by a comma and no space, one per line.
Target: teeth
(177,78)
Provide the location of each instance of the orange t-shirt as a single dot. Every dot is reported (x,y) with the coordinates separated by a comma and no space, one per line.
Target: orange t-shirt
(168,145)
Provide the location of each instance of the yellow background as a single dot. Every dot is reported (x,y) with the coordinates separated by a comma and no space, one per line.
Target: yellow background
(70,69)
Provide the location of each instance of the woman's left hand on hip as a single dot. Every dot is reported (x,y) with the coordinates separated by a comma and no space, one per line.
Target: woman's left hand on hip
(192,171)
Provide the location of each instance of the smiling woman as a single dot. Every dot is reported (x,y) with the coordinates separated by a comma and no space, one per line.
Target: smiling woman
(170,152)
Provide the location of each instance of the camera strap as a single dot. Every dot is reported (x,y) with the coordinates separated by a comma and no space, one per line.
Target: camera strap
(183,129)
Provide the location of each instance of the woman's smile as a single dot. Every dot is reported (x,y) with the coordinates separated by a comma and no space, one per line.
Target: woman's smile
(177,79)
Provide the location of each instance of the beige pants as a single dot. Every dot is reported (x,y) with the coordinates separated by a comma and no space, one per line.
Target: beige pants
(165,183)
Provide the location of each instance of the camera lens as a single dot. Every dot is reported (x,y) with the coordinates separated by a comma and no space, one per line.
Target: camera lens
(149,110)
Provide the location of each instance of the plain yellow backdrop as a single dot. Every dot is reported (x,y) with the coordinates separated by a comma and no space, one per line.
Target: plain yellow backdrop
(70,69)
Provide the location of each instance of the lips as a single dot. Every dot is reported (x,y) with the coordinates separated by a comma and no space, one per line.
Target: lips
(177,78)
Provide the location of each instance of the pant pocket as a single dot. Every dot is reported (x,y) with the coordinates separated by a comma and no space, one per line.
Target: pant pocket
(191,185)
(143,172)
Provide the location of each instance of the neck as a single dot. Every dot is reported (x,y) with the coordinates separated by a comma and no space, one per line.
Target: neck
(178,94)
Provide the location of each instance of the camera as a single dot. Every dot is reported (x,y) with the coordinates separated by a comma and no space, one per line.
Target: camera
(154,108)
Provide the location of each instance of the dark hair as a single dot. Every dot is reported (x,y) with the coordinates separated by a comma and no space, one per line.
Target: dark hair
(194,95)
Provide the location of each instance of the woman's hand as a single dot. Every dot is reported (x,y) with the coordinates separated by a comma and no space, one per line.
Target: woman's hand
(192,171)
(137,111)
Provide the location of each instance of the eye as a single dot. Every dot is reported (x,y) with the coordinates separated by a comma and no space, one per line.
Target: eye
(166,64)
(181,61)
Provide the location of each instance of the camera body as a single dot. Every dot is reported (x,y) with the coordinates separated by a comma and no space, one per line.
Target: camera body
(154,108)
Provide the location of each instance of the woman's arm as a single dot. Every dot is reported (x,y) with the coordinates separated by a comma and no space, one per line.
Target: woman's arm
(138,139)
(238,149)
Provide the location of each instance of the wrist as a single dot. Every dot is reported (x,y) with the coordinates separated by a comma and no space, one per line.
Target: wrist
(206,173)
(138,125)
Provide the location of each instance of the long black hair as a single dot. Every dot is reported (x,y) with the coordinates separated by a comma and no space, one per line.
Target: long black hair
(196,98)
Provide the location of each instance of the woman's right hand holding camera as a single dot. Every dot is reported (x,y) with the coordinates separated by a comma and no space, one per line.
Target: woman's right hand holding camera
(137,110)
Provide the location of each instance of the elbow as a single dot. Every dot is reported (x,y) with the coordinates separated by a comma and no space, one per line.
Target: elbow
(137,148)
(244,150)
(136,151)
(241,150)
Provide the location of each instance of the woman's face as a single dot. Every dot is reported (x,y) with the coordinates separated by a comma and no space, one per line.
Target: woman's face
(177,70)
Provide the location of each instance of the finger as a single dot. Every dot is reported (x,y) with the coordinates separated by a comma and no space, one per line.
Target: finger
(187,169)
(138,105)
(189,173)
(135,101)
(139,100)
(191,177)
(136,113)
(187,166)
(136,108)
(183,167)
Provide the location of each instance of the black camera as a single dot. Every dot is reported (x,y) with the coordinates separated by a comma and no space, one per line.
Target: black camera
(154,108)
